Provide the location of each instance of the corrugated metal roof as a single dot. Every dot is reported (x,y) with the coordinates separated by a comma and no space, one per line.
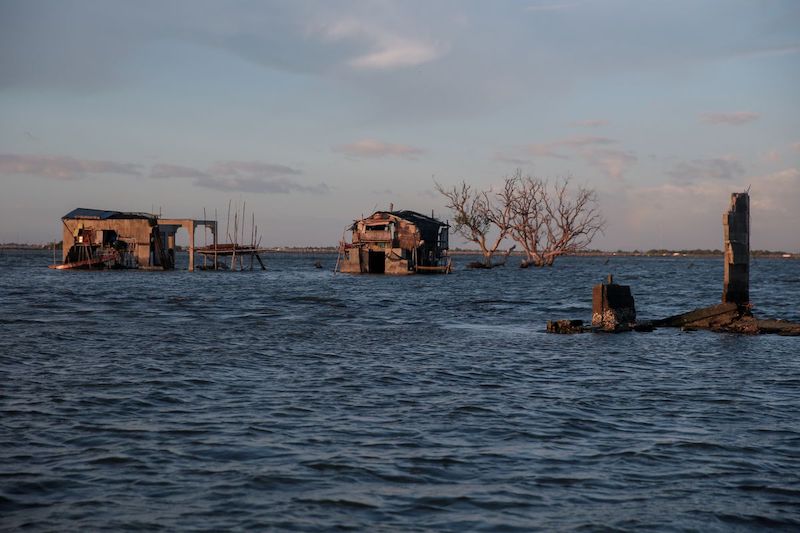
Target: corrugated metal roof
(99,214)
(416,218)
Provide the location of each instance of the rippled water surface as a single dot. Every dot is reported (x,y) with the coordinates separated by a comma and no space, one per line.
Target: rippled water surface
(302,400)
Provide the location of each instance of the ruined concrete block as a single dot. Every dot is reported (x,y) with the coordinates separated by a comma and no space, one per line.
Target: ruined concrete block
(612,306)
(736,230)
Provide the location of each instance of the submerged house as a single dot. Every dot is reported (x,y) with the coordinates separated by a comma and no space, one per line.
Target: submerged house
(396,242)
(95,238)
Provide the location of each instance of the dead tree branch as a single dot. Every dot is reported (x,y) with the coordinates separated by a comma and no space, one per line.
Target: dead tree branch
(477,213)
(549,221)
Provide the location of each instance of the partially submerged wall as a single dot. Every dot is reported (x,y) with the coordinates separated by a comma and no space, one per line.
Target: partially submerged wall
(736,230)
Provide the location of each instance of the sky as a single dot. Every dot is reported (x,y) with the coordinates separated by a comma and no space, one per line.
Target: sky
(315,113)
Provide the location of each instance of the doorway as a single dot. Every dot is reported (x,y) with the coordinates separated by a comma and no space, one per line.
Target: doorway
(376,262)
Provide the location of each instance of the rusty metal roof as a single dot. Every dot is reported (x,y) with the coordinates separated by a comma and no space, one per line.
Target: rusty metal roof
(100,214)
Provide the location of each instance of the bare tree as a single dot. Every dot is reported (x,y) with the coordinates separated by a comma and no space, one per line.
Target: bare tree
(549,221)
(476,214)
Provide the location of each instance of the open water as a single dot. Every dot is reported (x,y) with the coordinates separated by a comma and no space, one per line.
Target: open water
(295,399)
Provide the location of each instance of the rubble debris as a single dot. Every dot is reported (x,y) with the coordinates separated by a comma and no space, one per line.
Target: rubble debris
(734,314)
(613,308)
(566,326)
(702,318)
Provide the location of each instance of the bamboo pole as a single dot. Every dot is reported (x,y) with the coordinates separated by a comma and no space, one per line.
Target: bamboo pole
(244,220)
(228,223)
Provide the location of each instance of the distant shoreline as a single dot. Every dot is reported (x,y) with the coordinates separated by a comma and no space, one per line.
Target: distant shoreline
(460,252)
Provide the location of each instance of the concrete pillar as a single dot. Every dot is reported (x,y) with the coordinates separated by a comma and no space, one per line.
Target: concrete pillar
(736,229)
(612,306)
(191,246)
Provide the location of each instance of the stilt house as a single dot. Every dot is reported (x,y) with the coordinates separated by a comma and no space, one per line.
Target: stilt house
(396,242)
(95,238)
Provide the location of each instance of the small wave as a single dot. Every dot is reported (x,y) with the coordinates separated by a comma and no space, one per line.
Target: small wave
(332,302)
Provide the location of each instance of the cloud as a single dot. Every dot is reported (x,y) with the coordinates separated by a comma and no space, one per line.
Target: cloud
(734,119)
(777,193)
(771,156)
(555,148)
(582,142)
(175,171)
(386,49)
(796,146)
(693,210)
(556,6)
(589,123)
(61,167)
(725,168)
(545,150)
(505,158)
(768,51)
(595,151)
(252,169)
(243,176)
(375,148)
(259,185)
(613,163)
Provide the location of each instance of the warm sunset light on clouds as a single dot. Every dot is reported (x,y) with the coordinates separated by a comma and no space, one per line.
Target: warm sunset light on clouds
(317,112)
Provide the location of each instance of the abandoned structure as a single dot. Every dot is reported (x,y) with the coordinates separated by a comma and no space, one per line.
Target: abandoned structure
(94,238)
(612,306)
(396,242)
(614,311)
(736,237)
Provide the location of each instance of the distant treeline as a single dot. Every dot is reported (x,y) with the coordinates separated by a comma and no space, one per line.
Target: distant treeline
(28,246)
(655,252)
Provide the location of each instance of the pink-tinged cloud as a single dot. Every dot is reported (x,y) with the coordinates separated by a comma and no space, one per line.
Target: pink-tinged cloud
(175,171)
(556,149)
(777,193)
(582,142)
(375,148)
(771,156)
(589,123)
(734,119)
(694,210)
(61,167)
(796,146)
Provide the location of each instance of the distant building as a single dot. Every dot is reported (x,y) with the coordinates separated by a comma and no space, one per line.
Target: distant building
(396,242)
(95,238)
